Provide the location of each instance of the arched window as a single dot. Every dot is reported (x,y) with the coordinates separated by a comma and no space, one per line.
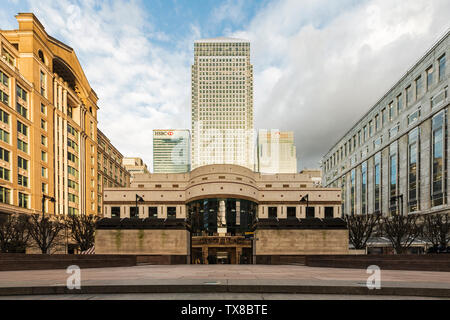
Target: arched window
(41,56)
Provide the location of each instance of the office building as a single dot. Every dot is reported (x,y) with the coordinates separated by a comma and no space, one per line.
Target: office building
(111,172)
(171,153)
(134,166)
(48,126)
(222,103)
(395,158)
(186,217)
(276,152)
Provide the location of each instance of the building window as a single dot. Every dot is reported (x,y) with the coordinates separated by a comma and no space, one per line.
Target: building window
(394,131)
(4,154)
(419,87)
(329,212)
(4,117)
(22,146)
(22,110)
(383,116)
(377,182)
(4,79)
(9,58)
(44,187)
(364,188)
(171,212)
(43,109)
(408,95)
(23,200)
(43,84)
(438,169)
(5,195)
(115,212)
(44,172)
(153,212)
(429,78)
(413,117)
(4,136)
(291,212)
(22,94)
(22,163)
(134,213)
(393,177)
(43,125)
(352,192)
(44,156)
(310,213)
(4,98)
(413,172)
(442,62)
(273,212)
(399,103)
(4,174)
(21,128)
(44,140)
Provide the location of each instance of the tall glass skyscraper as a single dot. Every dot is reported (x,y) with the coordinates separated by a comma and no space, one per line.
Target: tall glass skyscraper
(171,151)
(222,103)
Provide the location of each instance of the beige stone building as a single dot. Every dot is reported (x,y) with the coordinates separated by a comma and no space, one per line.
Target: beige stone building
(135,166)
(48,124)
(213,207)
(111,172)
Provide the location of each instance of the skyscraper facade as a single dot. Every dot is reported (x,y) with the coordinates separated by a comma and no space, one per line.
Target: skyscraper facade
(171,151)
(276,152)
(222,103)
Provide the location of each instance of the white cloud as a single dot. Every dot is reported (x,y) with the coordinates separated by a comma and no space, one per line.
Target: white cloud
(333,65)
(231,10)
(319,64)
(141,86)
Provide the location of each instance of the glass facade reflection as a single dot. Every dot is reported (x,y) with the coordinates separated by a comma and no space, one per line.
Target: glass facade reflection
(208,215)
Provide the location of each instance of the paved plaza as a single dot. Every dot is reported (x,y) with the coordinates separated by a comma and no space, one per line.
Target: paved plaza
(224,274)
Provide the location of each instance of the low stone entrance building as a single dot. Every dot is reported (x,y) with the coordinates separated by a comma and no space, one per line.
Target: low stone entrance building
(222,214)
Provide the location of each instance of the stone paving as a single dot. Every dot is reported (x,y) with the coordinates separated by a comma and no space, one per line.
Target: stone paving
(229,274)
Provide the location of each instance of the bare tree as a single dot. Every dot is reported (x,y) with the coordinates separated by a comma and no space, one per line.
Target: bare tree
(436,229)
(45,231)
(82,230)
(361,228)
(14,236)
(401,231)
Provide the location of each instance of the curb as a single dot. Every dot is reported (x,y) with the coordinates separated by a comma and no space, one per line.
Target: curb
(294,289)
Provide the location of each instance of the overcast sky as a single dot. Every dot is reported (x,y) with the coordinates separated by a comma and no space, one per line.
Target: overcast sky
(319,65)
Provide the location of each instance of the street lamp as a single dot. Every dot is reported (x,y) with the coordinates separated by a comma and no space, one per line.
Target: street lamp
(303,200)
(43,202)
(140,199)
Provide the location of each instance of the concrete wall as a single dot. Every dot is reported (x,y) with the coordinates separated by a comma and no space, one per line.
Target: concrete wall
(151,242)
(299,242)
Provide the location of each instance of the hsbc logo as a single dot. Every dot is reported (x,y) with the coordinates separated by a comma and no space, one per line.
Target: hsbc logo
(164,133)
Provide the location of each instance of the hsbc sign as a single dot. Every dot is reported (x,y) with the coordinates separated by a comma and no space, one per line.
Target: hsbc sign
(164,133)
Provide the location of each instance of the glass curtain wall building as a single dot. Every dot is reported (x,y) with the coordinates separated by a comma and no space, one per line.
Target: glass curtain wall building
(395,158)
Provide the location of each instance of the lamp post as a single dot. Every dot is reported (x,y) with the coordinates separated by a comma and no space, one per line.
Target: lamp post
(305,199)
(43,202)
(140,199)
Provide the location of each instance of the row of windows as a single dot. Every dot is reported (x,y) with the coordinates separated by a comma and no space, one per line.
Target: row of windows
(388,114)
(23,198)
(438,174)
